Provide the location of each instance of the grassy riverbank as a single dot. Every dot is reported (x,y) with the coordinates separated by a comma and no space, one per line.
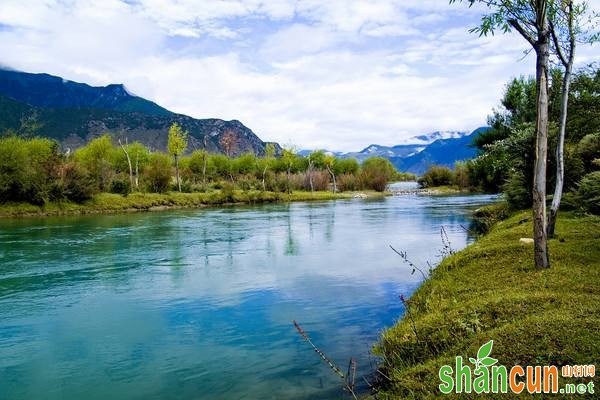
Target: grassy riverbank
(492,291)
(112,203)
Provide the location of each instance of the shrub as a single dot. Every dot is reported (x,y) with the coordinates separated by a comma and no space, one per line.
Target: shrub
(157,173)
(460,176)
(376,172)
(517,191)
(120,185)
(588,192)
(348,182)
(487,216)
(75,184)
(436,176)
(320,180)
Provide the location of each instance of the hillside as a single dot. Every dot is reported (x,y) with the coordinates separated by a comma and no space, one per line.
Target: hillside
(74,113)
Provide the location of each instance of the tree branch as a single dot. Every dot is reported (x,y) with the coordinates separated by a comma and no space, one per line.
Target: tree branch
(515,24)
(557,45)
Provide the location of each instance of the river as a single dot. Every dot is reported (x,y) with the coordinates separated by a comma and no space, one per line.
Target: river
(198,304)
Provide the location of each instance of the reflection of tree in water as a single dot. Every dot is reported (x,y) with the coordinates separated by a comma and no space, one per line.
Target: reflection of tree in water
(329,223)
(291,247)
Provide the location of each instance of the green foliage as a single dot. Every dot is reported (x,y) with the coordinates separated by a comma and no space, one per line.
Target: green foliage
(177,140)
(436,176)
(488,291)
(120,185)
(157,173)
(376,173)
(34,171)
(27,168)
(99,157)
(588,150)
(460,175)
(517,192)
(75,184)
(588,192)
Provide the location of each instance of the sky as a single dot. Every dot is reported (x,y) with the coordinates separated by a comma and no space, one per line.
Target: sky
(311,74)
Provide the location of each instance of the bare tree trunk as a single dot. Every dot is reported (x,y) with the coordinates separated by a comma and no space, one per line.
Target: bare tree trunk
(263,179)
(126,151)
(564,104)
(310,177)
(177,172)
(204,169)
(542,50)
(137,173)
(333,179)
(560,146)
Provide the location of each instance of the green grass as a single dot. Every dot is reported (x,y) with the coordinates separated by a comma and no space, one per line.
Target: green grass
(448,189)
(491,290)
(110,203)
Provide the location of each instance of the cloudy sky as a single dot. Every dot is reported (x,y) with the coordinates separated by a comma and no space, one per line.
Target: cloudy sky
(310,73)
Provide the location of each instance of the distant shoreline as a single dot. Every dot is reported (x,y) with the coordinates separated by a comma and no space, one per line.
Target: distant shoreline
(109,203)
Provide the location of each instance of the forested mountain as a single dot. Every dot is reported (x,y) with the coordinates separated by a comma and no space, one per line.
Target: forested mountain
(74,113)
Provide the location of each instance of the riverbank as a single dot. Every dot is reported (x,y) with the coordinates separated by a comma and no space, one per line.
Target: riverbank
(105,203)
(491,290)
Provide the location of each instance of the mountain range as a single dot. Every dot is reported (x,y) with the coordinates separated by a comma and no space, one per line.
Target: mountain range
(75,113)
(416,154)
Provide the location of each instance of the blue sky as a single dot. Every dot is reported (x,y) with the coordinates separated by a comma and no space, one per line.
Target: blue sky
(313,74)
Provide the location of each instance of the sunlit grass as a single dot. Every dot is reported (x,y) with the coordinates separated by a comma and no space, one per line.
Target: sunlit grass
(491,290)
(109,202)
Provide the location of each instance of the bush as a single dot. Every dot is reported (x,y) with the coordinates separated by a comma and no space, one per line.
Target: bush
(120,185)
(487,216)
(376,173)
(517,191)
(27,169)
(588,192)
(75,184)
(460,176)
(348,182)
(157,173)
(436,176)
(320,180)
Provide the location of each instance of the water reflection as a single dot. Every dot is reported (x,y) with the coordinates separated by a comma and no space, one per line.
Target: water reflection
(199,303)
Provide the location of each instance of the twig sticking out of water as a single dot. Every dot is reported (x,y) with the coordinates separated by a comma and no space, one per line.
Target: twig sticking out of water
(348,383)
(350,376)
(319,352)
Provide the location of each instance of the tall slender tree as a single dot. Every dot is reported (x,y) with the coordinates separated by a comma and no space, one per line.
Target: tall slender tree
(176,146)
(566,29)
(530,19)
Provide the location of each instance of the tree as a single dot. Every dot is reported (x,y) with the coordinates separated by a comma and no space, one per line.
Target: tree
(177,145)
(530,19)
(564,28)
(288,158)
(329,162)
(125,149)
(98,157)
(139,153)
(267,160)
(376,173)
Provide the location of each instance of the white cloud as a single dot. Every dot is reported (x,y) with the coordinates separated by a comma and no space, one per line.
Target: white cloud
(335,74)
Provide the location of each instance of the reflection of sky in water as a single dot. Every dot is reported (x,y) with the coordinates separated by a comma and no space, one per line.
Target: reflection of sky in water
(199,303)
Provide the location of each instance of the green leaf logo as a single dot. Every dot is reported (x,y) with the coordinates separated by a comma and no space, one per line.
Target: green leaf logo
(483,359)
(485,350)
